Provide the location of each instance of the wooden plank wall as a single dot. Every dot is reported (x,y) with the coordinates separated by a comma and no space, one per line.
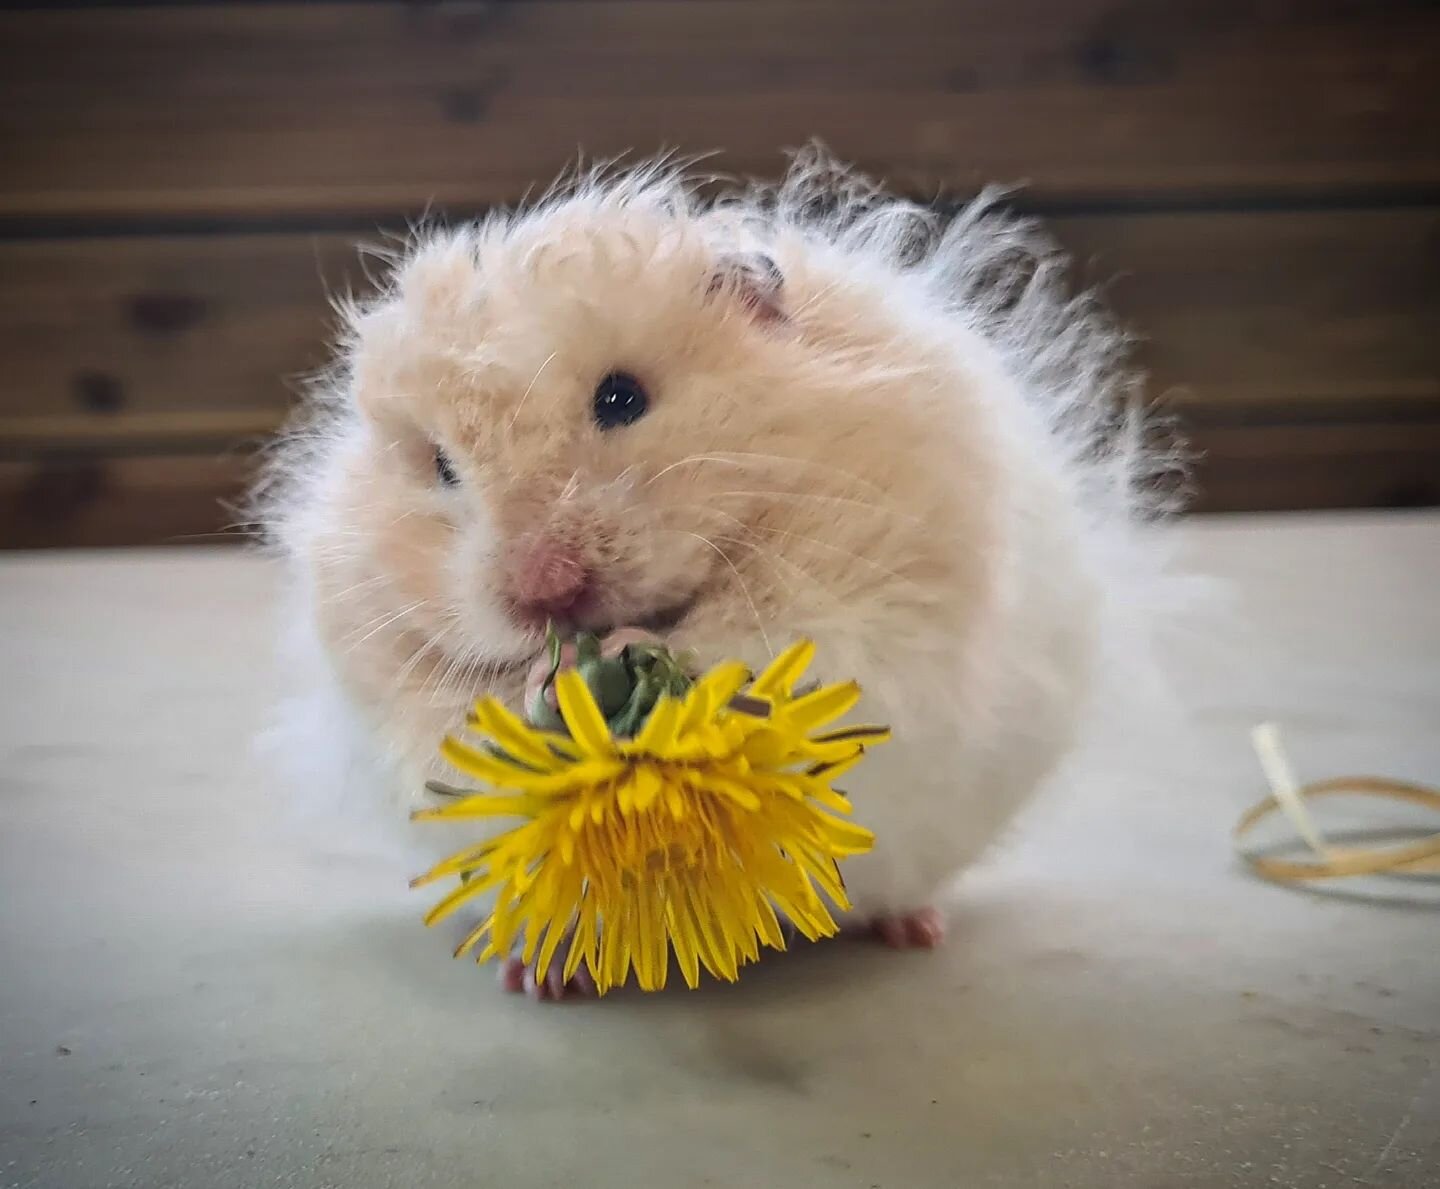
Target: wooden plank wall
(182,183)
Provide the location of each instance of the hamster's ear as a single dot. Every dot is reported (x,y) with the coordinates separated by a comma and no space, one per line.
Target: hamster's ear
(439,278)
(754,282)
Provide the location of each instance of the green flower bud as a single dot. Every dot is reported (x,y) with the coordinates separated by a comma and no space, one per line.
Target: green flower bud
(610,680)
(625,687)
(543,715)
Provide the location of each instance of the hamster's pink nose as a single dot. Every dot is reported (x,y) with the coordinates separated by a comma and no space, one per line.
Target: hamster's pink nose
(548,581)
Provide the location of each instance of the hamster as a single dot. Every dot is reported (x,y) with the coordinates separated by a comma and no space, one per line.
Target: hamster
(806,410)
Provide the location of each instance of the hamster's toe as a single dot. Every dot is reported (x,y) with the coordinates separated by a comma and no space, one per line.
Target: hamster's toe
(922,929)
(518,975)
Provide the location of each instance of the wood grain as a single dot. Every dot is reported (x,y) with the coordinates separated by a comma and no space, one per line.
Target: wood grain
(1353,462)
(190,498)
(147,500)
(118,344)
(1261,178)
(1292,306)
(270,109)
(125,339)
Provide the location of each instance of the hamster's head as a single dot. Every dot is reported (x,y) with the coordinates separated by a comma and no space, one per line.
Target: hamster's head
(623,410)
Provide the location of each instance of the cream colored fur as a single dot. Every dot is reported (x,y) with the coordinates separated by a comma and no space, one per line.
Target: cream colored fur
(931,466)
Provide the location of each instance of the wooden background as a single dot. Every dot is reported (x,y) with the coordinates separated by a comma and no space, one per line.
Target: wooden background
(180,184)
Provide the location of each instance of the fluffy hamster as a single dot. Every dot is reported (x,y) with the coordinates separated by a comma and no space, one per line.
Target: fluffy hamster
(810,410)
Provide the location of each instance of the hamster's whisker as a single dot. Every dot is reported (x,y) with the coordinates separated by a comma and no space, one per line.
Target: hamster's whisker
(249,525)
(425,646)
(868,505)
(740,578)
(737,522)
(466,669)
(850,553)
(454,663)
(427,649)
(530,388)
(359,629)
(220,534)
(707,510)
(773,559)
(431,643)
(380,622)
(791,536)
(773,556)
(813,588)
(790,460)
(742,459)
(355,587)
(464,674)
(687,460)
(458,664)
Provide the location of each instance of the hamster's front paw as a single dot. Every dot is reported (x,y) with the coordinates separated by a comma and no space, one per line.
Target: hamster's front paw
(919,929)
(517,975)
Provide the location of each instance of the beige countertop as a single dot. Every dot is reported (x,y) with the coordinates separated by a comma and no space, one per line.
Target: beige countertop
(193,993)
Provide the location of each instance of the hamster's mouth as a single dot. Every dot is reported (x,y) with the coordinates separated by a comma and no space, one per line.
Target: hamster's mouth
(659,620)
(671,616)
(662,619)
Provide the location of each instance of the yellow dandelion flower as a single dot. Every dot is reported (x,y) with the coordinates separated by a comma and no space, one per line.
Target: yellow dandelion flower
(691,836)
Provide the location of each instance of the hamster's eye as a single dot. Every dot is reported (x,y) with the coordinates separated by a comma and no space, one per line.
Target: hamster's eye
(619,400)
(445,469)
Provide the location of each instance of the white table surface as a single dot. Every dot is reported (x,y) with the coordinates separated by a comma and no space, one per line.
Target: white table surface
(193,994)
